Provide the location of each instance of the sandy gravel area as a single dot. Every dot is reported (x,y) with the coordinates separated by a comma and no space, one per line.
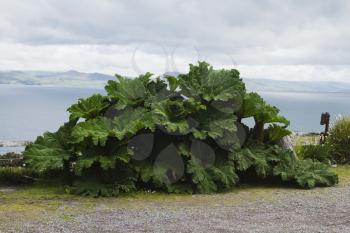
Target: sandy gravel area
(251,209)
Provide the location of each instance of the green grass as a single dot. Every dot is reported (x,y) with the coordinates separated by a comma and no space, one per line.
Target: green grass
(343,172)
(15,175)
(339,140)
(54,190)
(45,199)
(307,139)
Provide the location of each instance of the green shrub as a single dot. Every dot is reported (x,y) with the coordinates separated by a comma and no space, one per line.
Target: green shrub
(181,134)
(15,175)
(339,140)
(264,113)
(320,153)
(269,161)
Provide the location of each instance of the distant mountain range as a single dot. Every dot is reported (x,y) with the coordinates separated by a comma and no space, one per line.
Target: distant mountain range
(78,79)
(295,86)
(44,78)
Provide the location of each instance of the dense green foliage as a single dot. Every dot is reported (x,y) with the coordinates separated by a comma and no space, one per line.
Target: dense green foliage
(177,134)
(270,161)
(320,153)
(15,175)
(339,140)
(263,113)
(12,171)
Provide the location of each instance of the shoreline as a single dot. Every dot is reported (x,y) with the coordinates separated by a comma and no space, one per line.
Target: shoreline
(12,146)
(14,143)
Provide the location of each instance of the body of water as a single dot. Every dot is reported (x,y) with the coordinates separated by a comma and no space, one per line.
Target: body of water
(304,109)
(28,111)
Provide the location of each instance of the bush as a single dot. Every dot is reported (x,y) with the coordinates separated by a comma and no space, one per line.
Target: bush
(15,175)
(320,153)
(273,161)
(339,140)
(180,134)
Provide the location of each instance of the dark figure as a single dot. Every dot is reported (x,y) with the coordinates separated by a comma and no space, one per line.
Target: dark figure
(324,121)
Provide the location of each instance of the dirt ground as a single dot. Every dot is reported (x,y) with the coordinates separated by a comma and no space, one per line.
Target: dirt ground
(245,209)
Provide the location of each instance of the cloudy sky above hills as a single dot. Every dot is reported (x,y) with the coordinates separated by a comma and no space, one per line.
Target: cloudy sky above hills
(288,40)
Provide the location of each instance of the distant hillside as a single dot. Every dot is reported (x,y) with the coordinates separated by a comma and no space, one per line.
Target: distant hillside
(79,79)
(295,86)
(69,78)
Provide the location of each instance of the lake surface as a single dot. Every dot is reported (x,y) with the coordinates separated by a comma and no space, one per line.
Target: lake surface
(28,111)
(304,109)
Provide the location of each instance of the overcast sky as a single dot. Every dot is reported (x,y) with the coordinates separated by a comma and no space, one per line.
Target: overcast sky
(289,40)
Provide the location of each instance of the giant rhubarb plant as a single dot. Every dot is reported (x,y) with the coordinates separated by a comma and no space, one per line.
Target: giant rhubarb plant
(176,134)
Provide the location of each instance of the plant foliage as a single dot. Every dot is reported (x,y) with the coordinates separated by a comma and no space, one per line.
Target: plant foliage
(177,134)
(339,140)
(320,153)
(16,175)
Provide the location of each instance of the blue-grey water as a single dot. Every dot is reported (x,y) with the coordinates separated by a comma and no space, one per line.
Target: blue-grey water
(304,109)
(28,111)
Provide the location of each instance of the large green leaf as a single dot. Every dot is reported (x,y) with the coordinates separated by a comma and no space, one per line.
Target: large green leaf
(225,174)
(129,92)
(98,129)
(173,82)
(201,177)
(49,151)
(275,132)
(219,126)
(157,175)
(210,179)
(216,128)
(158,91)
(306,173)
(88,108)
(258,158)
(132,120)
(204,82)
(175,115)
(255,106)
(105,159)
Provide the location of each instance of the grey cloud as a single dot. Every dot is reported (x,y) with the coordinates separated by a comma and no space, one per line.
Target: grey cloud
(260,32)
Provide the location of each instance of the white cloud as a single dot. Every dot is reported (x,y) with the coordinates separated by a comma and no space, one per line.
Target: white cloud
(132,60)
(314,73)
(293,40)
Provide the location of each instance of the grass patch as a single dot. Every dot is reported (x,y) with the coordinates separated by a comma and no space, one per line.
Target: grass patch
(343,172)
(46,199)
(56,190)
(306,139)
(15,175)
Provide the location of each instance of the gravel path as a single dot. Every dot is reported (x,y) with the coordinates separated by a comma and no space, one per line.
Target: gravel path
(250,210)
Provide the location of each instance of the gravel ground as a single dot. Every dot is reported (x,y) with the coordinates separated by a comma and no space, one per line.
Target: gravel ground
(247,210)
